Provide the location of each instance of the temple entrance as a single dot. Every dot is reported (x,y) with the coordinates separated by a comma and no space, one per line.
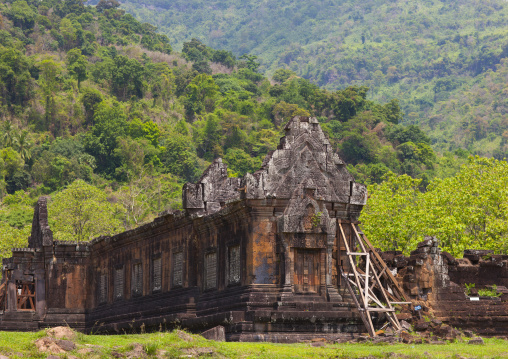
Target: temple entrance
(306,272)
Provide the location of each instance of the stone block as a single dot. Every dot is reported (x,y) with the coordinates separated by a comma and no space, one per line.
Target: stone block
(192,196)
(358,194)
(217,333)
(426,243)
(476,341)
(421,326)
(474,255)
(449,259)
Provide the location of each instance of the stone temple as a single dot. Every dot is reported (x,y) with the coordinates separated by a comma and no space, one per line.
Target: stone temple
(259,255)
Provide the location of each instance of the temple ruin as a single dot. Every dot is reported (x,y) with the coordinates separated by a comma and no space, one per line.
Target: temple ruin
(261,256)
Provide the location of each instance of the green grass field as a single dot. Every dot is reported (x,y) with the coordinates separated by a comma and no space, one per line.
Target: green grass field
(18,344)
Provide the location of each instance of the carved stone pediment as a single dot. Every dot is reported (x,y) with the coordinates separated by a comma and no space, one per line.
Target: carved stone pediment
(304,153)
(212,189)
(304,213)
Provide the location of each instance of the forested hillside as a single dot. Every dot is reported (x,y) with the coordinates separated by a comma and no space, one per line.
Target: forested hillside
(100,113)
(444,60)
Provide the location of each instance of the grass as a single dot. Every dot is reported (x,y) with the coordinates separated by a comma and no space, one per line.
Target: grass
(12,343)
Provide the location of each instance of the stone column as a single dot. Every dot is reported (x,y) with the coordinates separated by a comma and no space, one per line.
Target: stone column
(331,292)
(11,305)
(287,289)
(40,292)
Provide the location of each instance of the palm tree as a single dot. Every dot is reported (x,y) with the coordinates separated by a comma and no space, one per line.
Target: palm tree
(8,134)
(22,144)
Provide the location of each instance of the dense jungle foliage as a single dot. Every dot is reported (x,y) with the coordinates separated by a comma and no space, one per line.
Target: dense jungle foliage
(99,112)
(446,61)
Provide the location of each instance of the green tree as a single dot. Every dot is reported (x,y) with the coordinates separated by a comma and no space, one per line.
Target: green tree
(67,7)
(358,147)
(179,158)
(195,50)
(134,156)
(106,5)
(22,145)
(224,57)
(469,210)
(82,212)
(148,130)
(50,71)
(200,95)
(90,98)
(16,84)
(208,137)
(393,111)
(11,162)
(68,32)
(22,14)
(144,193)
(281,75)
(262,141)
(239,162)
(110,124)
(420,153)
(127,78)
(250,62)
(56,170)
(390,219)
(8,134)
(12,237)
(163,85)
(76,65)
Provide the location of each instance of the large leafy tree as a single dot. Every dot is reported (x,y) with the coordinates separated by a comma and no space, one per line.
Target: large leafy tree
(469,210)
(22,14)
(82,212)
(110,124)
(200,95)
(50,71)
(390,217)
(240,162)
(127,78)
(77,65)
(16,84)
(179,158)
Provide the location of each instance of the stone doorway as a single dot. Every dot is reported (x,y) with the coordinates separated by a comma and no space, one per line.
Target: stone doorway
(25,295)
(306,271)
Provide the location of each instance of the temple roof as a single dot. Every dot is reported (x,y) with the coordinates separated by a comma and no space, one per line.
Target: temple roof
(304,155)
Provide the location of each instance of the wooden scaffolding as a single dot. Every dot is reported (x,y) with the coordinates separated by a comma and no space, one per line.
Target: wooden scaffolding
(3,295)
(25,296)
(369,281)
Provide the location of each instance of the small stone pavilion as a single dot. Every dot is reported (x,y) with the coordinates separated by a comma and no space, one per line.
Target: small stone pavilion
(259,255)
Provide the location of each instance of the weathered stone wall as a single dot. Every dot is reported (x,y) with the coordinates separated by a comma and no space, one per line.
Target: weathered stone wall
(481,267)
(436,280)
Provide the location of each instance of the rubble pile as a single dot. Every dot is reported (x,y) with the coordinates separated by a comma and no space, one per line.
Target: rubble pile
(450,289)
(423,331)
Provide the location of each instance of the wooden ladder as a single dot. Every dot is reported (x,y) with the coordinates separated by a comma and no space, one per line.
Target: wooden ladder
(375,275)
